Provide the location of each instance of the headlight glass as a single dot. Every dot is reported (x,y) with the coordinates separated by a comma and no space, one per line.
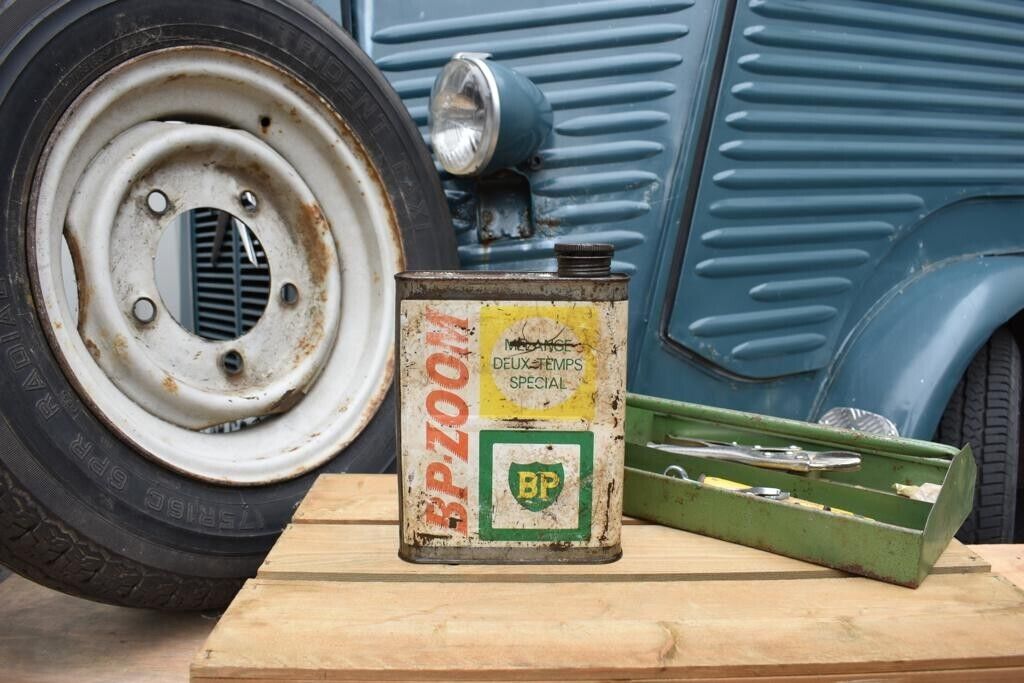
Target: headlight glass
(464,116)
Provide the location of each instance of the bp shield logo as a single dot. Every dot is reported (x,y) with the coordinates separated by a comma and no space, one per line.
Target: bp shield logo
(536,485)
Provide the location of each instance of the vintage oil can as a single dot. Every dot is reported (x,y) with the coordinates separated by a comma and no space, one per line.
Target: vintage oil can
(512,392)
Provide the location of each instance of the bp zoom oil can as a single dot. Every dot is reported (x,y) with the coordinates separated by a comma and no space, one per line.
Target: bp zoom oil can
(512,392)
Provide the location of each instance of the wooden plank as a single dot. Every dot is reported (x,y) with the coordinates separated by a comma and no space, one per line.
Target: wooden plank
(1006,560)
(46,636)
(311,630)
(975,675)
(358,499)
(350,499)
(650,553)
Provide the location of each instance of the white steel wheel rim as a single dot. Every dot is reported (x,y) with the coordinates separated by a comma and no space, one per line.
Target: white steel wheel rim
(223,99)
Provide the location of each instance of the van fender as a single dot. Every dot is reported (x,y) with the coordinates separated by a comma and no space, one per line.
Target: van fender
(906,357)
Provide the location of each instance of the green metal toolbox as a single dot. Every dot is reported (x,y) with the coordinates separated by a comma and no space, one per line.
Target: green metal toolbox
(888,536)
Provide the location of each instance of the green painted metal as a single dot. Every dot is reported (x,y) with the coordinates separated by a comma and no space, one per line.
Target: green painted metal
(891,538)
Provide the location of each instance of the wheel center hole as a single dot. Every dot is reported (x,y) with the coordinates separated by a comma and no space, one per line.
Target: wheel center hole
(212,273)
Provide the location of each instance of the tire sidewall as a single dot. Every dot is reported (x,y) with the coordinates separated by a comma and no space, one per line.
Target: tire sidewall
(49,440)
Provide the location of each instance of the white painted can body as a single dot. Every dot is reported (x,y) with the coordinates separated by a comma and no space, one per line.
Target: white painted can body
(511,423)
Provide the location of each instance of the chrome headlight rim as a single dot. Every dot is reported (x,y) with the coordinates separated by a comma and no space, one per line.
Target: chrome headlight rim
(490,131)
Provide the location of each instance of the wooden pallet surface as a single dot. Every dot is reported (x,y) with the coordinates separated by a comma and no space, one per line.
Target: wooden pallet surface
(342,531)
(333,602)
(1007,560)
(649,553)
(504,631)
(350,499)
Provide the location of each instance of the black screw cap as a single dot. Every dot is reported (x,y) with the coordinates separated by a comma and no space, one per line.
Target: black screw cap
(584,260)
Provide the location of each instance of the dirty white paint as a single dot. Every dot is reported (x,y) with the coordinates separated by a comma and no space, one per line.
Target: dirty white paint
(164,368)
(320,366)
(512,426)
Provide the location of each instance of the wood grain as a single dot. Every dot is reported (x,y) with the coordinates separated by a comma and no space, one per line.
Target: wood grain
(310,630)
(974,675)
(348,552)
(334,602)
(1006,560)
(350,499)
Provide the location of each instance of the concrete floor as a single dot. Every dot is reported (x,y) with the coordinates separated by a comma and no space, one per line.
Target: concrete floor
(46,637)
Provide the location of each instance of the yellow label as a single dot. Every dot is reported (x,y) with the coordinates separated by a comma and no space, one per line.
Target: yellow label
(537,360)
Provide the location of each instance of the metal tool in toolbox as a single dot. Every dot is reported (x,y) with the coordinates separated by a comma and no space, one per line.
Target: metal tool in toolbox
(511,390)
(789,458)
(853,519)
(767,492)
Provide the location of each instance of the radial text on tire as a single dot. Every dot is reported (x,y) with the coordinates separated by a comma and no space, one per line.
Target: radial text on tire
(111,486)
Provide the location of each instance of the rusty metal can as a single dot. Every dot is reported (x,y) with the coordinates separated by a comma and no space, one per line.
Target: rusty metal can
(512,392)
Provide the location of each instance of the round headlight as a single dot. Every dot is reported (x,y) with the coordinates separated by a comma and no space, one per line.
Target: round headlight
(464,115)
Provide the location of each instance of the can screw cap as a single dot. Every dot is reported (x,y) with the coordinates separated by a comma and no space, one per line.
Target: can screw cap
(578,259)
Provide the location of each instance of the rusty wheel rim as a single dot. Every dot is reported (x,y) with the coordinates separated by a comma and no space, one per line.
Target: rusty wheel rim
(182,128)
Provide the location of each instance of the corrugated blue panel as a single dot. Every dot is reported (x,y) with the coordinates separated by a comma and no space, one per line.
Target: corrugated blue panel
(620,75)
(840,124)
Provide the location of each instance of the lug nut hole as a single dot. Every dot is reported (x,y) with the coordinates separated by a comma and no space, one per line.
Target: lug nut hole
(248,201)
(289,294)
(157,202)
(144,310)
(231,362)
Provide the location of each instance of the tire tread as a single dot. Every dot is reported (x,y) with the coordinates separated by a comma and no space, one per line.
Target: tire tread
(984,411)
(57,525)
(41,547)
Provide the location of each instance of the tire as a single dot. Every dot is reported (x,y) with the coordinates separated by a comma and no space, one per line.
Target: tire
(984,412)
(83,508)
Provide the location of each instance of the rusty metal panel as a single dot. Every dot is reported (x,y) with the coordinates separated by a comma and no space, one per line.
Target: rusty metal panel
(512,411)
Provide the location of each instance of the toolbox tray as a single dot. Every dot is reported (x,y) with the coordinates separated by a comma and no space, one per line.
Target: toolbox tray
(893,539)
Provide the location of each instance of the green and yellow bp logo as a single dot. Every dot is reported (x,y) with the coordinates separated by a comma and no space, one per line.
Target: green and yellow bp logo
(536,485)
(526,472)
